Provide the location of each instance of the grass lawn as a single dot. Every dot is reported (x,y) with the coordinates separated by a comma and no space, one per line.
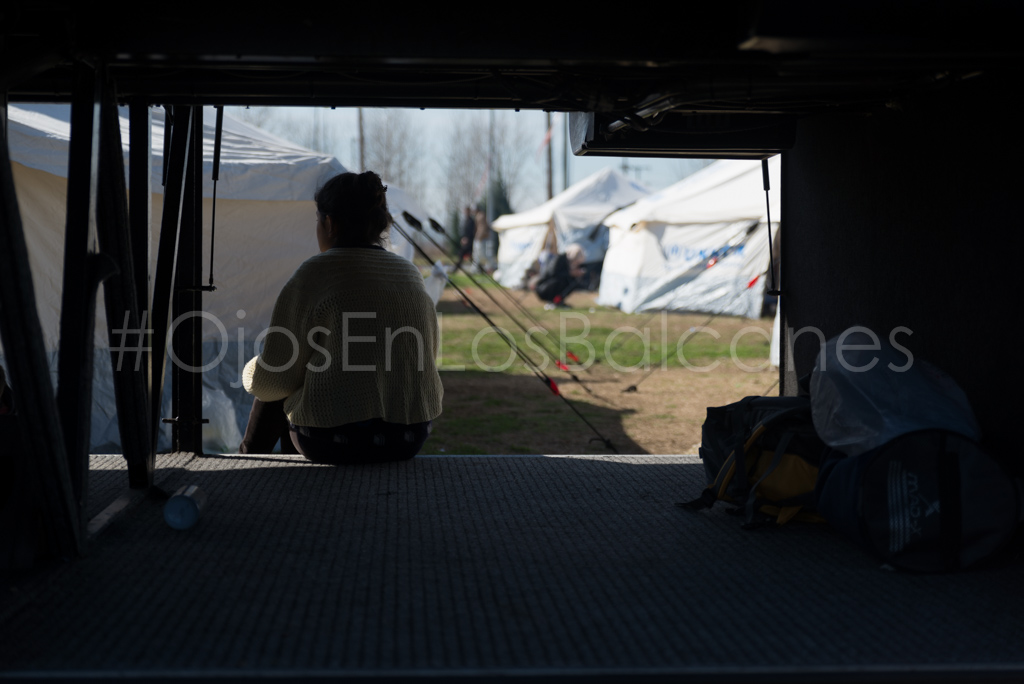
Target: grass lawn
(680,364)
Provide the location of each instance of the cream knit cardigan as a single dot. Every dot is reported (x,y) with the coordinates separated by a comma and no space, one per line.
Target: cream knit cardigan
(353,336)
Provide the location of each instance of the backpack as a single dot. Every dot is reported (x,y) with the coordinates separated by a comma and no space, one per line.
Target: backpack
(926,501)
(763,454)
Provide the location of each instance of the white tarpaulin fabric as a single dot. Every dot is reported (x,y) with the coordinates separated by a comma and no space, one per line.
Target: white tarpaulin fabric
(254,164)
(265,230)
(574,215)
(518,249)
(699,245)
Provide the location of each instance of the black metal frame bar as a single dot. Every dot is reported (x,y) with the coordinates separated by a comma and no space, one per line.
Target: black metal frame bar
(84,270)
(187,398)
(178,127)
(43,455)
(140,219)
(140,205)
(124,314)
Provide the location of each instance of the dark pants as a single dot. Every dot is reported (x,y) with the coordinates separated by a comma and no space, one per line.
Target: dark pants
(368,441)
(466,252)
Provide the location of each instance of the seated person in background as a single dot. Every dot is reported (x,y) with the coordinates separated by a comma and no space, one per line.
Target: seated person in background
(347,372)
(561,275)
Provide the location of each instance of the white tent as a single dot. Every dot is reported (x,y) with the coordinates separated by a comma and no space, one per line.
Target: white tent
(265,229)
(574,215)
(698,245)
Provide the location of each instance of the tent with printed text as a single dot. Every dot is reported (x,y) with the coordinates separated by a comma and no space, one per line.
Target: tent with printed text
(265,228)
(574,215)
(698,245)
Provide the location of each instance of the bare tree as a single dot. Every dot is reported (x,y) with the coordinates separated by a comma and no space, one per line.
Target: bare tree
(514,144)
(315,133)
(465,171)
(466,164)
(394,149)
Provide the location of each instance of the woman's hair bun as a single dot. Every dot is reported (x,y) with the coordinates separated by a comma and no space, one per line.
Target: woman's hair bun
(356,203)
(376,191)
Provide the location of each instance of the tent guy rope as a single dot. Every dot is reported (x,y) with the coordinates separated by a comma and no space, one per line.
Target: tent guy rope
(534,368)
(561,365)
(501,288)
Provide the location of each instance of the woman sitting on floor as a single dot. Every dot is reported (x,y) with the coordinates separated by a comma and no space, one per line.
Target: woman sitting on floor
(347,370)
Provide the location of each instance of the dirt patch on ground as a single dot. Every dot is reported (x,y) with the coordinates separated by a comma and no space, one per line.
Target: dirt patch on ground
(513,412)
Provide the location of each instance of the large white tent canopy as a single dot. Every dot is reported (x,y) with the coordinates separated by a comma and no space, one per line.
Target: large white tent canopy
(265,228)
(698,245)
(575,215)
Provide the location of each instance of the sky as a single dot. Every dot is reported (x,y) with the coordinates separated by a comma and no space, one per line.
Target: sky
(339,127)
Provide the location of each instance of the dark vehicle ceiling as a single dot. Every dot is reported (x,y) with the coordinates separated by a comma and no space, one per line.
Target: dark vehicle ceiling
(717,66)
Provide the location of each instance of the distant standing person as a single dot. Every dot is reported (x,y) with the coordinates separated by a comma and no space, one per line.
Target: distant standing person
(468,232)
(483,232)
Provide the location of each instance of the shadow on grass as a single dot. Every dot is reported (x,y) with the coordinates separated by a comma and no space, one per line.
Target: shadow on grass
(454,307)
(457,306)
(498,413)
